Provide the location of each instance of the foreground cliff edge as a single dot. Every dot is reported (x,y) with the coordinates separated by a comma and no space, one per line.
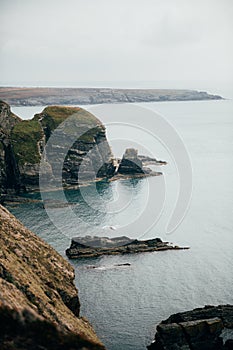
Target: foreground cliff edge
(207,328)
(39,304)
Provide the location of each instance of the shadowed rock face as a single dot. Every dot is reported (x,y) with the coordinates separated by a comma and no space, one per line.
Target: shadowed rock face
(130,163)
(8,167)
(199,329)
(39,304)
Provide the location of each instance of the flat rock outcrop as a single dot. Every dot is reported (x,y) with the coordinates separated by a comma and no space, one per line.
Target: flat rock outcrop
(208,328)
(39,304)
(93,246)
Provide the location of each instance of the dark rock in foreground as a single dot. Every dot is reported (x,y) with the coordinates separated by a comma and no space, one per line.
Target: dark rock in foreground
(199,329)
(89,247)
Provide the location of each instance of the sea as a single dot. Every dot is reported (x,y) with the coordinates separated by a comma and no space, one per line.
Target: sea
(126,303)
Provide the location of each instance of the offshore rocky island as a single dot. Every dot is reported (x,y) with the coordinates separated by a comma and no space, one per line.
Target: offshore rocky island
(91,247)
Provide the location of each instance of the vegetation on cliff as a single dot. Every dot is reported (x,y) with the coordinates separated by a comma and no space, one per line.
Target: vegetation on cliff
(25,137)
(39,305)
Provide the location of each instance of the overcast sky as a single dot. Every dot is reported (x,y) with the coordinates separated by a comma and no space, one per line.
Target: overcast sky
(51,41)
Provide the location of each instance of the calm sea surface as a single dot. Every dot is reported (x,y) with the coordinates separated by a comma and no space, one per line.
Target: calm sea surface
(125,304)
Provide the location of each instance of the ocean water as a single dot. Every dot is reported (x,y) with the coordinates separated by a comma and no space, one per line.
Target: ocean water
(124,304)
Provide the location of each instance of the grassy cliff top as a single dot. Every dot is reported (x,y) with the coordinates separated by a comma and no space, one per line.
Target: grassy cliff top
(75,120)
(37,283)
(52,116)
(27,134)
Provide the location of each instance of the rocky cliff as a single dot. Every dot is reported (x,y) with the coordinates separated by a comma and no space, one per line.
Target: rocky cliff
(39,304)
(22,148)
(61,146)
(8,167)
(208,328)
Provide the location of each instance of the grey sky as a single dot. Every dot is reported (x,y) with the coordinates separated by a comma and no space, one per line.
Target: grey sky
(116,40)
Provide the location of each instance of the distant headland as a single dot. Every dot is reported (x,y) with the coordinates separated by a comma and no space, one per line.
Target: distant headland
(41,96)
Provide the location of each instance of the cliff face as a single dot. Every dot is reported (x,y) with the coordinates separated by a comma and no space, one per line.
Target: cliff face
(39,305)
(22,143)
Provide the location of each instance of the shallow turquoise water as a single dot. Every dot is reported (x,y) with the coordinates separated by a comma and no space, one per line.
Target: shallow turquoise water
(124,304)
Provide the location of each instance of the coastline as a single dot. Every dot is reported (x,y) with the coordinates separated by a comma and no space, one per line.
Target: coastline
(23,96)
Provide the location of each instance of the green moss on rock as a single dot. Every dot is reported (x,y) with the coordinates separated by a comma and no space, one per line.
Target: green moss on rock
(52,116)
(55,115)
(25,137)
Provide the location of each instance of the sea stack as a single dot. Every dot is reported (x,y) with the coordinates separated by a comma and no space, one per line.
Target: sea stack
(130,163)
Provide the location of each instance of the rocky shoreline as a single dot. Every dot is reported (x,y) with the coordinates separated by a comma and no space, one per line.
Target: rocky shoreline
(19,96)
(93,246)
(208,328)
